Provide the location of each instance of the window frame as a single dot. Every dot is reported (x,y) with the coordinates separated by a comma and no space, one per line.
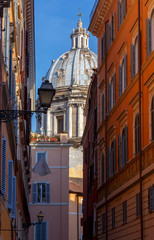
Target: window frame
(136,129)
(37,152)
(35,193)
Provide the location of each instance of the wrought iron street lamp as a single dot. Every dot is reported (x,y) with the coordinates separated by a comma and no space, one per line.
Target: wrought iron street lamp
(40,217)
(45,92)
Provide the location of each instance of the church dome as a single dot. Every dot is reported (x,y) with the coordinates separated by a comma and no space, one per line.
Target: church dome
(74,67)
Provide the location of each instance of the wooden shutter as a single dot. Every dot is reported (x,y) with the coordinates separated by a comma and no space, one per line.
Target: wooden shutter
(38,228)
(109,37)
(151,198)
(124,7)
(34,192)
(109,162)
(103,107)
(109,97)
(13,215)
(150,36)
(47,193)
(147,36)
(119,151)
(114,89)
(125,71)
(138,205)
(125,212)
(126,139)
(118,15)
(119,80)
(10,184)
(102,168)
(44,232)
(121,13)
(113,217)
(114,157)
(3,186)
(132,61)
(103,223)
(10,74)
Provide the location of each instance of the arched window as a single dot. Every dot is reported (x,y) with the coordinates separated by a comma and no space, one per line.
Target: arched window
(152,118)
(137,134)
(102,169)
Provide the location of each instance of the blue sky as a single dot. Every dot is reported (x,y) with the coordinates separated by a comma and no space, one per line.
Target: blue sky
(54,21)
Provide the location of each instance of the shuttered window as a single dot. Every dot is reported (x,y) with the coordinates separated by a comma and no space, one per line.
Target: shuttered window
(103,47)
(124,146)
(10,184)
(41,193)
(103,108)
(124,211)
(151,199)
(111,93)
(152,118)
(112,27)
(122,76)
(103,223)
(13,215)
(137,137)
(113,158)
(119,151)
(41,231)
(109,162)
(113,217)
(109,97)
(3,167)
(119,80)
(102,168)
(121,12)
(6,38)
(149,34)
(138,211)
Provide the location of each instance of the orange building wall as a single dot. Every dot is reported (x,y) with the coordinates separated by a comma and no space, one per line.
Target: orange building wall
(124,185)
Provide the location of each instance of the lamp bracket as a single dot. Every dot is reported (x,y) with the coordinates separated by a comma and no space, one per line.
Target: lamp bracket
(9,115)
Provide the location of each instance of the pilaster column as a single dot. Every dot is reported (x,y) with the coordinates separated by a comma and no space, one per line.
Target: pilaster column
(80,121)
(54,124)
(64,121)
(42,123)
(70,122)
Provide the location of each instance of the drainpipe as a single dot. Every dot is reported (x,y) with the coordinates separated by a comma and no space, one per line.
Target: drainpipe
(106,128)
(140,120)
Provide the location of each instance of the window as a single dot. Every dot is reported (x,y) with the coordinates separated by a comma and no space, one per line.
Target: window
(112,159)
(10,184)
(124,211)
(103,47)
(40,155)
(103,223)
(152,118)
(41,231)
(149,34)
(134,58)
(13,215)
(122,76)
(41,193)
(151,198)
(137,137)
(94,222)
(102,168)
(3,178)
(95,163)
(112,27)
(103,108)
(113,217)
(138,212)
(124,146)
(59,124)
(121,12)
(111,93)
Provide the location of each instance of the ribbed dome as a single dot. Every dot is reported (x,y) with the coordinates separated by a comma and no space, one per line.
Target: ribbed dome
(75,66)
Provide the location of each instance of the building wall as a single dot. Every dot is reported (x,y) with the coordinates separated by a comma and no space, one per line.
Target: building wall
(14,95)
(56,211)
(125,181)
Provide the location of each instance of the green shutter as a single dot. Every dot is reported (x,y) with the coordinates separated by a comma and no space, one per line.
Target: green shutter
(3,179)
(13,215)
(10,184)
